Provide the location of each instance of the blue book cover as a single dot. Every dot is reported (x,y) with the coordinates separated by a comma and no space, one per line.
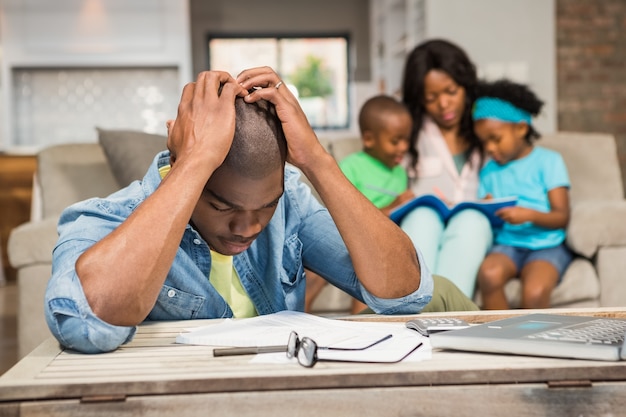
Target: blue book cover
(488,207)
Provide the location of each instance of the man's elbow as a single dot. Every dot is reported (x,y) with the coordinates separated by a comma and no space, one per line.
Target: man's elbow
(83,334)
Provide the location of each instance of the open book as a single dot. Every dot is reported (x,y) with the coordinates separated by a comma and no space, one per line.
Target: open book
(488,207)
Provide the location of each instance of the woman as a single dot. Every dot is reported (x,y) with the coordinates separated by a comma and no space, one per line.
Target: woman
(444,159)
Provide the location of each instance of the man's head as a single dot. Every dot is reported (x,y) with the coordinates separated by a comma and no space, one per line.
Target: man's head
(241,196)
(259,145)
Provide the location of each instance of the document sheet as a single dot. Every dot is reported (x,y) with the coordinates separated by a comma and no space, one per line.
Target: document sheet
(274,329)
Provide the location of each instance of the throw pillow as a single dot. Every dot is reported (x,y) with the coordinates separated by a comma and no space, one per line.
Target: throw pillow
(129,152)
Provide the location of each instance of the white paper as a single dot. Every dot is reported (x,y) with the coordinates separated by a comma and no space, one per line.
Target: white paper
(274,329)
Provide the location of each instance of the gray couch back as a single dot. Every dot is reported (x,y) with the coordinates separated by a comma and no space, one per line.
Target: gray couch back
(72,172)
(592,162)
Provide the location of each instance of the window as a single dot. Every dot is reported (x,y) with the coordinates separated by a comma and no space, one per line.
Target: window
(315,68)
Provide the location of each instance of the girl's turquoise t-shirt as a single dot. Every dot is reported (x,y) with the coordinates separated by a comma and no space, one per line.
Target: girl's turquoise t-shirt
(530,179)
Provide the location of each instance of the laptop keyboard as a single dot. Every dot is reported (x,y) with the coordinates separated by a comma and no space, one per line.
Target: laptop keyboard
(599,331)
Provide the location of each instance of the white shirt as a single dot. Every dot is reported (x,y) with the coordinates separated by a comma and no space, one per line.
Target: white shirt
(436,171)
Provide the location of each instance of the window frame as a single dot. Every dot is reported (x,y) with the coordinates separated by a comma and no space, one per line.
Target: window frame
(277,36)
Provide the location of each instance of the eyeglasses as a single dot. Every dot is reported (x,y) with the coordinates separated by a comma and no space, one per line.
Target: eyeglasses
(305,349)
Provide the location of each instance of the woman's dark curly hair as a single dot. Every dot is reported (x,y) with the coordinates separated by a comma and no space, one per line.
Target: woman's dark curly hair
(441,55)
(518,95)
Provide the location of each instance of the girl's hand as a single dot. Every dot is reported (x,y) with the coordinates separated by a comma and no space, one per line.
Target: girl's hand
(516,215)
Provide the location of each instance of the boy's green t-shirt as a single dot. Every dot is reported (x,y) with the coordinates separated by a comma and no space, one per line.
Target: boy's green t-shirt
(379,183)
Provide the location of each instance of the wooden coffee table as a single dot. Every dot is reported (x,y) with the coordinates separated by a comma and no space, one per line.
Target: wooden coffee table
(153,376)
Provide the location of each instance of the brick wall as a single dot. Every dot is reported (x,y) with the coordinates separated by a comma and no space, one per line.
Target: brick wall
(591,68)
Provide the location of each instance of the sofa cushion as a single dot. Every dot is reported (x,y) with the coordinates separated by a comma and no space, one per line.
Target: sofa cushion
(592,164)
(130,153)
(72,172)
(592,225)
(32,243)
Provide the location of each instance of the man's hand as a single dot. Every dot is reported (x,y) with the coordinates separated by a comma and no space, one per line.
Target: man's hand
(303,145)
(205,125)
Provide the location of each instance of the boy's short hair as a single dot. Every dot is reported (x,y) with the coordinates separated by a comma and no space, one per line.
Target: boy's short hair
(373,108)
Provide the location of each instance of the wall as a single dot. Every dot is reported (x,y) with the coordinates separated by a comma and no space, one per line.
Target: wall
(282,16)
(39,35)
(583,39)
(288,17)
(591,57)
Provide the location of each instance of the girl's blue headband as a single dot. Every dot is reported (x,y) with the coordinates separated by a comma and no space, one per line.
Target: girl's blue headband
(495,108)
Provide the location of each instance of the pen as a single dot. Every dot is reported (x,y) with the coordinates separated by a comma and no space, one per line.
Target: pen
(248,350)
(381,190)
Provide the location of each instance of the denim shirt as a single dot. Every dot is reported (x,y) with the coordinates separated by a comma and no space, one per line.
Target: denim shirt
(300,234)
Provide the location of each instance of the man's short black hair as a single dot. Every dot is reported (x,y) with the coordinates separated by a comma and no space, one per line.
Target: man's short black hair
(259,146)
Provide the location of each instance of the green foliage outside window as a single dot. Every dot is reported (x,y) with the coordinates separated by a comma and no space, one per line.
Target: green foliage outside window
(312,79)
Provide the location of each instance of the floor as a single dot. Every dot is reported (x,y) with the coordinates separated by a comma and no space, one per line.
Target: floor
(8,326)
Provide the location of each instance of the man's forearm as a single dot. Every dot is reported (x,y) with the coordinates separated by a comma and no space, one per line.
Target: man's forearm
(123,273)
(383,256)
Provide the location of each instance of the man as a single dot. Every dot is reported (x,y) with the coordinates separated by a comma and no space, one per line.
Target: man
(219,227)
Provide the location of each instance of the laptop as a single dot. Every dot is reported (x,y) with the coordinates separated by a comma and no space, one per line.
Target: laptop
(552,335)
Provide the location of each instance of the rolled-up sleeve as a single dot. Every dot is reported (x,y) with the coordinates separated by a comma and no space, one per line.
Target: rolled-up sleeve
(67,311)
(326,254)
(409,304)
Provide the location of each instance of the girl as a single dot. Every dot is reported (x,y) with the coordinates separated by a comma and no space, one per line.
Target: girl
(531,242)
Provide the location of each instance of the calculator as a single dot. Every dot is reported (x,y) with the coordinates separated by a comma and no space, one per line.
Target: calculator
(426,326)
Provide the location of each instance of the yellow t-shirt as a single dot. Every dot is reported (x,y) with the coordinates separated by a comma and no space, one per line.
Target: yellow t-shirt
(225,279)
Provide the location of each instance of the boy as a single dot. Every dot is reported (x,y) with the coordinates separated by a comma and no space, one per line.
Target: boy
(385,126)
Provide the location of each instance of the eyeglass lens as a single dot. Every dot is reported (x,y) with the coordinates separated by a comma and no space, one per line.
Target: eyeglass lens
(305,349)
(293,345)
(307,355)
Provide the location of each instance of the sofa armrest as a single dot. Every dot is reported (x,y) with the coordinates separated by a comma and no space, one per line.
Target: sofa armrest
(595,224)
(32,243)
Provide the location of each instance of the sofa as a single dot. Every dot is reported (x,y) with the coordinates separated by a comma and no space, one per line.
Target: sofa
(72,172)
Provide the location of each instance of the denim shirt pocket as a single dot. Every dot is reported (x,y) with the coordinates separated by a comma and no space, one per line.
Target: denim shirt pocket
(293,270)
(175,304)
